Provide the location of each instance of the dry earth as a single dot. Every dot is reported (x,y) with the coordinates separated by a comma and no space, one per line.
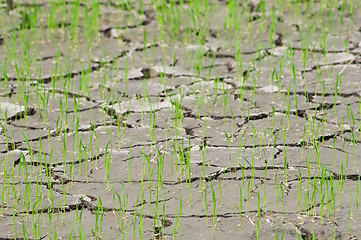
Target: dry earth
(117,123)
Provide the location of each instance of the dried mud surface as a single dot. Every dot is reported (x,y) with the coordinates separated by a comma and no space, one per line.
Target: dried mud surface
(129,139)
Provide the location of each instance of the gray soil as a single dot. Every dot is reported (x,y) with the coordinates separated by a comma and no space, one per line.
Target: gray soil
(121,138)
